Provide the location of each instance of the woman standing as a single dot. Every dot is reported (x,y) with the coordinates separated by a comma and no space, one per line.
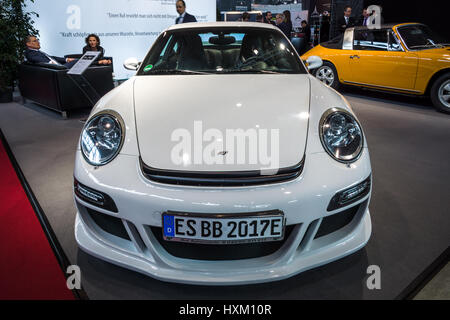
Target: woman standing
(288,22)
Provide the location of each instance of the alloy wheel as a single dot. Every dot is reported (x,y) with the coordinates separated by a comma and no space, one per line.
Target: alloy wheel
(444,93)
(326,75)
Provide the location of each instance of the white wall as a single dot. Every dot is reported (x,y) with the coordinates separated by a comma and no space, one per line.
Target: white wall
(127,28)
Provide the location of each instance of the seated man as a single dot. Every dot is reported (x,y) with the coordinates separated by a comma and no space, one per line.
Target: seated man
(34,55)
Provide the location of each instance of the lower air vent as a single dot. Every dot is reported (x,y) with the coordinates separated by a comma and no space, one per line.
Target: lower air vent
(109,224)
(220,252)
(337,221)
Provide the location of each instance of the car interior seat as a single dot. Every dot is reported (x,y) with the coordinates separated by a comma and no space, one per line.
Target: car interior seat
(192,54)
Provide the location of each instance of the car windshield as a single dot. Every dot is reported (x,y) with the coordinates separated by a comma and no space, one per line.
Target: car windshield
(335,43)
(221,50)
(420,37)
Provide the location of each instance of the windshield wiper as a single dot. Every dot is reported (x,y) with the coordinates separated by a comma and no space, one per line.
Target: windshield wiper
(174,71)
(430,43)
(240,70)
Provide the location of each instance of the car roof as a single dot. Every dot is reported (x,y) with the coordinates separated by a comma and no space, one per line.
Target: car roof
(387,26)
(239,24)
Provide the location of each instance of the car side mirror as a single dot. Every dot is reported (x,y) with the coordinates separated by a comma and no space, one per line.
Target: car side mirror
(131,64)
(314,62)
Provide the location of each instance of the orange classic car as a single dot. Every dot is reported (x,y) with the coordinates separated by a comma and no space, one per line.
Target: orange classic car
(403,58)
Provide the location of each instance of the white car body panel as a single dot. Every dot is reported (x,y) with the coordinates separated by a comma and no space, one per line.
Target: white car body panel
(160,110)
(303,200)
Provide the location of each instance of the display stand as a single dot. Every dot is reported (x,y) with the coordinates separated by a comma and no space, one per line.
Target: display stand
(76,75)
(90,93)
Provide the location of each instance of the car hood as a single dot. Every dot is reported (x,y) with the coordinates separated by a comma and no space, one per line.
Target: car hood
(188,122)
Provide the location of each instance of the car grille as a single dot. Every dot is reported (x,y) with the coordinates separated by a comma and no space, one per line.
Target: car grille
(220,179)
(198,251)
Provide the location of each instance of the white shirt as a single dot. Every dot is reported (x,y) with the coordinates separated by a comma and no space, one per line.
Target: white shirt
(181,18)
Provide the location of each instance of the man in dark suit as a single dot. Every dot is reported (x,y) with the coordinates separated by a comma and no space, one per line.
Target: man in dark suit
(345,21)
(269,18)
(184,16)
(325,27)
(282,25)
(364,19)
(306,30)
(34,55)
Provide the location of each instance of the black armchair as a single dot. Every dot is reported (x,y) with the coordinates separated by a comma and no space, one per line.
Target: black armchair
(50,86)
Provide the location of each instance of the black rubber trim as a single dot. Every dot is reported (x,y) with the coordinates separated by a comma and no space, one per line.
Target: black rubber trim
(222,179)
(60,255)
(425,276)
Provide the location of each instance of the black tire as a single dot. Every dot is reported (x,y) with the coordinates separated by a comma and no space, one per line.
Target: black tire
(439,90)
(320,73)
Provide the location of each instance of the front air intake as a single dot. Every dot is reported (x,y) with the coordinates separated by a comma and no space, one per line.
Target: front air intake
(220,179)
(218,252)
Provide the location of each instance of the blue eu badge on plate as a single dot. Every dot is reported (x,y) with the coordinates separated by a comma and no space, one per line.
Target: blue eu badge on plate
(169,226)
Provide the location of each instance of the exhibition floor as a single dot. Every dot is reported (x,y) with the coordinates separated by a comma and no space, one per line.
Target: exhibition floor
(409,149)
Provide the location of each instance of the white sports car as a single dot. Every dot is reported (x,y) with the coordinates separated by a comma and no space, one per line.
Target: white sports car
(222,161)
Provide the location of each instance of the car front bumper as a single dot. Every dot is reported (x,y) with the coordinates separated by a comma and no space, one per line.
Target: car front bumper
(303,201)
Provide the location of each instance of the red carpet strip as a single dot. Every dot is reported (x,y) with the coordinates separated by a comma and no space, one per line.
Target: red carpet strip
(29,268)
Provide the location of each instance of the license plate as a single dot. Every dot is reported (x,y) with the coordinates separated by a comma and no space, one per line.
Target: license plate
(223,229)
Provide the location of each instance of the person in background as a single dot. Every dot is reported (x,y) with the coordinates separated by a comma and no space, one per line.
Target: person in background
(33,54)
(282,25)
(288,22)
(184,16)
(93,44)
(306,30)
(269,18)
(345,21)
(325,28)
(259,18)
(364,19)
(245,17)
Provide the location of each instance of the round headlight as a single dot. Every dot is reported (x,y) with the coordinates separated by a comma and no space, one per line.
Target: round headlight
(102,138)
(341,135)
